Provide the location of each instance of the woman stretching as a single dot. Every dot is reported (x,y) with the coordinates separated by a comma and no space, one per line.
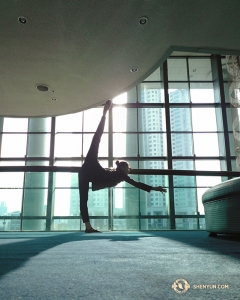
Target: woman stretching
(101,178)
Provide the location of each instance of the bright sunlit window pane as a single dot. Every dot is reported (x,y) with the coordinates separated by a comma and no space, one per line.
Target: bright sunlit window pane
(206,144)
(15,125)
(204,119)
(202,93)
(120,119)
(14,145)
(103,146)
(69,123)
(121,99)
(124,145)
(92,118)
(68,145)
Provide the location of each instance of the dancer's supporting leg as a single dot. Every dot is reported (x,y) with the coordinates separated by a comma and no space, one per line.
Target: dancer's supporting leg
(86,172)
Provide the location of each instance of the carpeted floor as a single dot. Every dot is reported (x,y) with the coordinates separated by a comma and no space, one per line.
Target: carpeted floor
(119,265)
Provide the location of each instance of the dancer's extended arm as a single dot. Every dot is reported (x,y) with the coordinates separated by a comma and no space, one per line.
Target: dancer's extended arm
(144,186)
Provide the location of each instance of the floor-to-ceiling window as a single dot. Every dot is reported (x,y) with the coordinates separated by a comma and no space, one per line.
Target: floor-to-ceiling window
(174,120)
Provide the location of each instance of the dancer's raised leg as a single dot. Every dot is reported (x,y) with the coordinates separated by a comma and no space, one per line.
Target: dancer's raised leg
(91,158)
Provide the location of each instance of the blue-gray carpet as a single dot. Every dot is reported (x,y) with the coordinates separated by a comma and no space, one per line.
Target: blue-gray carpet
(119,265)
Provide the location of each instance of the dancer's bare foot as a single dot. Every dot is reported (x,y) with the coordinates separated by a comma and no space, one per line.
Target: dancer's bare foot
(107,107)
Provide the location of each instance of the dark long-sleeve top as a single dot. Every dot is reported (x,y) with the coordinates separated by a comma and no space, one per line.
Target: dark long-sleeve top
(110,178)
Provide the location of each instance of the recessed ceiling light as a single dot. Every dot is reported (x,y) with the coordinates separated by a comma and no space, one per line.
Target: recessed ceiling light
(42,87)
(134,69)
(143,20)
(194,70)
(22,20)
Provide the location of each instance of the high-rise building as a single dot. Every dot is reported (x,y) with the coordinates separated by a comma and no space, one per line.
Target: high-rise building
(182,145)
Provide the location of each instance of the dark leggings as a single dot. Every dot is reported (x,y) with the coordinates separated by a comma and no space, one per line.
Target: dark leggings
(90,170)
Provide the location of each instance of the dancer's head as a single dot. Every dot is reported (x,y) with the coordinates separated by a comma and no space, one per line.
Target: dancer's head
(123,166)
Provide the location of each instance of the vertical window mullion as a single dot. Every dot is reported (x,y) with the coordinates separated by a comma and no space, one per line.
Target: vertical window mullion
(169,145)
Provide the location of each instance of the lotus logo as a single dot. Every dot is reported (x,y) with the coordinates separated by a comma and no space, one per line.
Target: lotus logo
(180,286)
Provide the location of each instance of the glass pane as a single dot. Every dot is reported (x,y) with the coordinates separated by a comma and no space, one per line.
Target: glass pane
(14,145)
(126,224)
(35,194)
(69,163)
(202,224)
(155,76)
(12,163)
(154,224)
(200,69)
(185,200)
(224,70)
(235,164)
(151,119)
(15,125)
(11,180)
(124,119)
(34,225)
(151,144)
(66,180)
(68,145)
(103,146)
(186,224)
(8,225)
(39,124)
(153,203)
(98,206)
(92,117)
(154,180)
(208,181)
(120,99)
(200,192)
(177,69)
(153,164)
(69,123)
(206,144)
(206,114)
(184,181)
(125,145)
(38,145)
(202,93)
(63,202)
(207,165)
(180,119)
(183,165)
(231,114)
(182,144)
(65,224)
(151,93)
(11,201)
(178,93)
(226,92)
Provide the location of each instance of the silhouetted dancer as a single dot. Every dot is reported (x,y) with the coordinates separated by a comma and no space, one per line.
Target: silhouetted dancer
(101,178)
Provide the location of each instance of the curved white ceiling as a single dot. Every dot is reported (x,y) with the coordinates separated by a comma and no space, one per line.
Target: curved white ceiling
(83,50)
